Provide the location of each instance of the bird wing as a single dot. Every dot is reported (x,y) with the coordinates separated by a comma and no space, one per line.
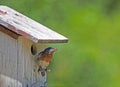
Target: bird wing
(38,56)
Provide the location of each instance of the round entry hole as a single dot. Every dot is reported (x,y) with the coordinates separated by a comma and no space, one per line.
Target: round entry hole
(33,49)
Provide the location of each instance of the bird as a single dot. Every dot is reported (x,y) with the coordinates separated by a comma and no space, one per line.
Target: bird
(44,58)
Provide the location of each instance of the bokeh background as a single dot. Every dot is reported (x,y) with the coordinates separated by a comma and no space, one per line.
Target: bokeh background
(91,58)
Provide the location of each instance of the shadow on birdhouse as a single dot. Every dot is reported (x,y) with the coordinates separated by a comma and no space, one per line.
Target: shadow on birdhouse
(20,37)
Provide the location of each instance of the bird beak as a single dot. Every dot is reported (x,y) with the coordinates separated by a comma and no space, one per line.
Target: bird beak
(53,50)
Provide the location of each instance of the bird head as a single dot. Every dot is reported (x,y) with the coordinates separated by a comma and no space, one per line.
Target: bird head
(49,50)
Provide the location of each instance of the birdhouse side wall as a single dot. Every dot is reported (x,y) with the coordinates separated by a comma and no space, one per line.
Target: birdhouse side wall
(8,61)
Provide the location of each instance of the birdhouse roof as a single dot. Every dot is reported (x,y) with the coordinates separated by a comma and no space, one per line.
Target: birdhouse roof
(30,29)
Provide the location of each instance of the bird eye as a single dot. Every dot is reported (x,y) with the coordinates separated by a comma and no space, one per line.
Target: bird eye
(33,49)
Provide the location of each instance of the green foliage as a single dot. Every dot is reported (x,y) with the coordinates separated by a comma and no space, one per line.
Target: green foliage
(91,57)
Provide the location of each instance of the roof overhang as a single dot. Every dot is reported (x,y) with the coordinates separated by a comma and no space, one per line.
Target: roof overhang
(28,28)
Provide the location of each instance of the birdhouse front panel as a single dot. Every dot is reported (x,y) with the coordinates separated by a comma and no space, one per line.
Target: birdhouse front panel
(30,77)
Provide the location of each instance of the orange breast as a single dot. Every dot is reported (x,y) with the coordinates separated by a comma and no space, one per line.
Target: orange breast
(45,57)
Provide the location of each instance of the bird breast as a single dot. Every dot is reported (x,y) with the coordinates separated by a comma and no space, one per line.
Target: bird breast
(43,64)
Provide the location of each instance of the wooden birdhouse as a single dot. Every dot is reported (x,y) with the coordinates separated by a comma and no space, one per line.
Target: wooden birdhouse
(20,40)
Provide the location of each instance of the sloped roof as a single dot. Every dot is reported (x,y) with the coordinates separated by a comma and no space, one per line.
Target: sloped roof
(27,27)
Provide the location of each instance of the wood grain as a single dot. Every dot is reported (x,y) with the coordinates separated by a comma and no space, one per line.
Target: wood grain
(9,32)
(28,28)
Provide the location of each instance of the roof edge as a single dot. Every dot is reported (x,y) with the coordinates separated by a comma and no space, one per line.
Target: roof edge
(23,25)
(53,41)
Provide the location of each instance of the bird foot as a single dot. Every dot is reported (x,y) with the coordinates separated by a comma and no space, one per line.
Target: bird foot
(47,70)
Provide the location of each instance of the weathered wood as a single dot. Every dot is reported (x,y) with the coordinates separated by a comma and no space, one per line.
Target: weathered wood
(17,65)
(28,28)
(8,62)
(9,32)
(30,76)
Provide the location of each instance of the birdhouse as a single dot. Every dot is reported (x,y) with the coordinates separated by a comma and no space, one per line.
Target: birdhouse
(21,38)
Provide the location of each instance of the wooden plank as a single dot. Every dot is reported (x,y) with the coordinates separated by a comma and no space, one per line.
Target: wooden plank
(8,62)
(9,32)
(1,51)
(12,62)
(4,58)
(20,60)
(1,57)
(24,64)
(31,77)
(28,28)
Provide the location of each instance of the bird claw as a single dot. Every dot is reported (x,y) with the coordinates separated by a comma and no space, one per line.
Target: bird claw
(47,70)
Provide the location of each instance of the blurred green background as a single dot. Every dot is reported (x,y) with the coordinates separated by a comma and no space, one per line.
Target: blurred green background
(91,58)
